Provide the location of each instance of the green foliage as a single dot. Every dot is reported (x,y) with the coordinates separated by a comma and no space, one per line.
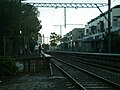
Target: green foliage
(7,65)
(16,17)
(30,25)
(9,16)
(45,46)
(54,39)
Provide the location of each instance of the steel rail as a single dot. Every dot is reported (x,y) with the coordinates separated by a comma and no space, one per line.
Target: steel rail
(77,84)
(88,72)
(105,58)
(103,72)
(99,65)
(96,64)
(87,53)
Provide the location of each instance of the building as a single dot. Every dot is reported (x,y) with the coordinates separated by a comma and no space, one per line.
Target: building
(96,36)
(71,39)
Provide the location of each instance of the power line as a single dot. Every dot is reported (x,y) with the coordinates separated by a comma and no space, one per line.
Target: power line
(114,1)
(72,1)
(74,11)
(67,5)
(53,16)
(64,25)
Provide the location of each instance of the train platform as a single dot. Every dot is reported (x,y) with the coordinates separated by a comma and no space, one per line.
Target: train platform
(36,81)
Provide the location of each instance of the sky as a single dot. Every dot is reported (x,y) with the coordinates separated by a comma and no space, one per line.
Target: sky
(51,16)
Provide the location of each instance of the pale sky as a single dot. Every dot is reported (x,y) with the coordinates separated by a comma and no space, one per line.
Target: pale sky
(52,16)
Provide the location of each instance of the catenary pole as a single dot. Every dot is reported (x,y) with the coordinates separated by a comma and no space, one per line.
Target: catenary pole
(109,25)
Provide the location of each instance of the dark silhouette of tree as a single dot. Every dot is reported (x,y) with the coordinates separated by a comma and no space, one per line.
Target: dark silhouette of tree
(16,17)
(45,46)
(54,39)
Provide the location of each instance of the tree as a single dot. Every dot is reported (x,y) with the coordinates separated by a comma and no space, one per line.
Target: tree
(30,25)
(54,39)
(9,14)
(16,17)
(45,46)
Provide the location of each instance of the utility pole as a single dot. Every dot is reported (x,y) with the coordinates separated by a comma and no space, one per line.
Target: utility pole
(109,26)
(64,18)
(43,39)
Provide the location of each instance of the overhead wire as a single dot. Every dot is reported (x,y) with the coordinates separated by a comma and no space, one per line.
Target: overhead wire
(59,20)
(114,1)
(62,16)
(72,1)
(74,11)
(53,14)
(72,15)
(102,9)
(95,14)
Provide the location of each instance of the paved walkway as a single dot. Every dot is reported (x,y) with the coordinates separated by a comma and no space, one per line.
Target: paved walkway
(35,82)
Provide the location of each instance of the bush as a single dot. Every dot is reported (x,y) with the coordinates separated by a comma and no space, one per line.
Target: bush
(8,66)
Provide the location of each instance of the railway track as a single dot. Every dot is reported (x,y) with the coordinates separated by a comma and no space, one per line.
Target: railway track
(83,79)
(108,65)
(103,66)
(84,63)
